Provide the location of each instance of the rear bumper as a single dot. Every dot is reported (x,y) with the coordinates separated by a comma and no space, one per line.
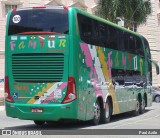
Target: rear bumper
(50,112)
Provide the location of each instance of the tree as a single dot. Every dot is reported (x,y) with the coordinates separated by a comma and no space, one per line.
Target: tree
(133,12)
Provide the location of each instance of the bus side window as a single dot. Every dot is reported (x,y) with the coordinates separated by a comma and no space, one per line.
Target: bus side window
(113,38)
(121,40)
(139,47)
(95,33)
(104,35)
(85,27)
(147,50)
(132,44)
(126,42)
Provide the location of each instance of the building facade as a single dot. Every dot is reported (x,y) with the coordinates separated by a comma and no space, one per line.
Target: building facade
(151,30)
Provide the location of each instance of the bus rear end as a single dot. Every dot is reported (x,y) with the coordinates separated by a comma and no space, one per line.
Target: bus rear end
(37,81)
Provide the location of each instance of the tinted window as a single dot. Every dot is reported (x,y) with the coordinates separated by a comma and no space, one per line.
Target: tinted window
(113,37)
(104,35)
(126,41)
(147,48)
(35,20)
(121,40)
(132,44)
(85,27)
(97,33)
(139,47)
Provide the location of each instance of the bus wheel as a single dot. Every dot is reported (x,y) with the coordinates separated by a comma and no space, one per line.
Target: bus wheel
(106,113)
(97,113)
(142,106)
(39,123)
(137,110)
(157,99)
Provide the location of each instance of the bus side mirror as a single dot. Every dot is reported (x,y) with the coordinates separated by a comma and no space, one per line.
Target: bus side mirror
(156,65)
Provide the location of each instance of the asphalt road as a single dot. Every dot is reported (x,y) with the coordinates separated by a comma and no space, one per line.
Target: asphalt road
(149,120)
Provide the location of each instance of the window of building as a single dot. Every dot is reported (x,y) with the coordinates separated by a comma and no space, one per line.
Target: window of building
(9,7)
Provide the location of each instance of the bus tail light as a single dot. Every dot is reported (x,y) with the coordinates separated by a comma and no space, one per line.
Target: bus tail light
(71,91)
(8,96)
(65,8)
(14,10)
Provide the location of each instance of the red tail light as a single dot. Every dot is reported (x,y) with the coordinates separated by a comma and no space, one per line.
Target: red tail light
(71,91)
(14,10)
(7,90)
(65,8)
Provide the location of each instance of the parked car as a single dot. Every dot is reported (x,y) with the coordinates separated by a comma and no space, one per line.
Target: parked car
(156,95)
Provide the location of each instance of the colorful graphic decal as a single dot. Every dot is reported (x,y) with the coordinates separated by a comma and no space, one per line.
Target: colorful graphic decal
(89,63)
(55,92)
(50,94)
(40,93)
(101,68)
(107,75)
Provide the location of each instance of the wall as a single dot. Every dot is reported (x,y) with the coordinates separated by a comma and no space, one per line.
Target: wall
(151,30)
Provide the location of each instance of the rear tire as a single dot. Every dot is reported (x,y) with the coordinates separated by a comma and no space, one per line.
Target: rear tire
(106,113)
(39,123)
(142,106)
(157,99)
(97,114)
(137,110)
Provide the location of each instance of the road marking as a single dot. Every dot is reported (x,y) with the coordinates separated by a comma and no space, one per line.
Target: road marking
(136,121)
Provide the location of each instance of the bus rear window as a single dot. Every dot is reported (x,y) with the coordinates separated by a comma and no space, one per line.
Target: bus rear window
(39,20)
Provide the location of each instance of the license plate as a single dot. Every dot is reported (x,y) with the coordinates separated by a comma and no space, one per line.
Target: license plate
(37,110)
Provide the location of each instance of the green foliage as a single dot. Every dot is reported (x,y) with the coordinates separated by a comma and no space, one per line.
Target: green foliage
(134,12)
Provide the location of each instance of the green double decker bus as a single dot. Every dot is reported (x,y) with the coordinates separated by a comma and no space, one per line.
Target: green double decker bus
(65,64)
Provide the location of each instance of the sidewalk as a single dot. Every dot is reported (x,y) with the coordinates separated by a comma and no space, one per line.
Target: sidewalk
(2,108)
(1,101)
(1,95)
